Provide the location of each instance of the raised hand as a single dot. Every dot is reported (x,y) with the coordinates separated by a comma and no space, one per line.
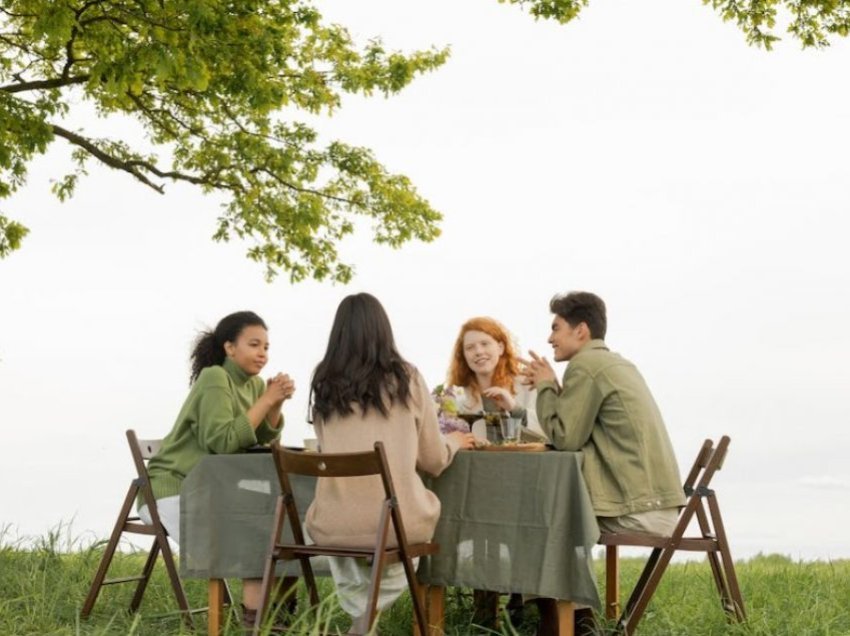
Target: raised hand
(537,370)
(279,388)
(502,397)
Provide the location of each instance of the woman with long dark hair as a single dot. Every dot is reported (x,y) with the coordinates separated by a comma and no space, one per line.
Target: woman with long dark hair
(228,409)
(363,391)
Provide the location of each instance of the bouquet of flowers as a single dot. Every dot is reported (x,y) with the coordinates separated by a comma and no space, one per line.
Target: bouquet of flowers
(450,401)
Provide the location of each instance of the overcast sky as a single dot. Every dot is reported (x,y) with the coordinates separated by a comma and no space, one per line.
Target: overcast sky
(643,152)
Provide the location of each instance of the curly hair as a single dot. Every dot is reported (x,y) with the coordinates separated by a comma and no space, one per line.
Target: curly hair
(208,349)
(506,369)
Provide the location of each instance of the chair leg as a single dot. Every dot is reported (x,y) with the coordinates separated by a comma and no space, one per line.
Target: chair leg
(146,575)
(176,585)
(271,561)
(416,596)
(716,568)
(109,552)
(265,591)
(737,600)
(612,582)
(310,581)
(648,568)
(227,597)
(655,567)
(368,617)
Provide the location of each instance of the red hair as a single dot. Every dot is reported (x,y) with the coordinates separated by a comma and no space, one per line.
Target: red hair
(506,369)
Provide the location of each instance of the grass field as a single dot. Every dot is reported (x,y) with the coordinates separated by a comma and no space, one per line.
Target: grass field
(42,587)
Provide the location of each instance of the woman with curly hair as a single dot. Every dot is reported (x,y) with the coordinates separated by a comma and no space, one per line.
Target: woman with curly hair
(229,408)
(485,365)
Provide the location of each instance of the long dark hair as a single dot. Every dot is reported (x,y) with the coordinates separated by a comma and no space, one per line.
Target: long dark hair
(209,345)
(361,364)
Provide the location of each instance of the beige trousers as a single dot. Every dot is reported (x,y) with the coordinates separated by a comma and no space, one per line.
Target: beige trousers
(655,522)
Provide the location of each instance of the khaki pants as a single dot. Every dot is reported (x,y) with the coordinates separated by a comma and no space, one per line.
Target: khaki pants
(655,522)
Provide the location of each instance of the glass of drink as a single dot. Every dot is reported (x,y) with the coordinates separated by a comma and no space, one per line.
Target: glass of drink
(510,428)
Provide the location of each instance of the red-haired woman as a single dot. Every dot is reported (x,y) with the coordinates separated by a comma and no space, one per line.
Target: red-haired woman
(485,365)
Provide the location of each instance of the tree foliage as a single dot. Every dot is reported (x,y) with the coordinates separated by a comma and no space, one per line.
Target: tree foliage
(209,80)
(217,86)
(812,22)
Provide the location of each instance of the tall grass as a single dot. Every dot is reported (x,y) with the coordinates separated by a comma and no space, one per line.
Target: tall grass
(43,584)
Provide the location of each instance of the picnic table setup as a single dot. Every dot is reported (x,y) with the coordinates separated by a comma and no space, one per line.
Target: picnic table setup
(518,522)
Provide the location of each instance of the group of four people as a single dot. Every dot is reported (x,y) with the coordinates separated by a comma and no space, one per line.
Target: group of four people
(364,391)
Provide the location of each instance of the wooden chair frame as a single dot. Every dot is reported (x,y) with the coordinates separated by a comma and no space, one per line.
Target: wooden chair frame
(341,465)
(141,450)
(712,541)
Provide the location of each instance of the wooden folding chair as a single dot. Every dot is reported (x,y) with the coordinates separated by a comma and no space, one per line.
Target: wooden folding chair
(141,450)
(339,466)
(712,541)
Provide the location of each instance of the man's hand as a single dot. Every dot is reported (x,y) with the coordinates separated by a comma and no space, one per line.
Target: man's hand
(537,370)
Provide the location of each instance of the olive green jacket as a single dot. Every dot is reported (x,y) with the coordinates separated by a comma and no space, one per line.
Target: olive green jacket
(605,410)
(213,420)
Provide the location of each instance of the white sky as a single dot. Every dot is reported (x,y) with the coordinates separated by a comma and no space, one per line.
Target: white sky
(643,152)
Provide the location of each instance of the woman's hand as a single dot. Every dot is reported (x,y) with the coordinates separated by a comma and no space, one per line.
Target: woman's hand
(279,388)
(502,397)
(465,441)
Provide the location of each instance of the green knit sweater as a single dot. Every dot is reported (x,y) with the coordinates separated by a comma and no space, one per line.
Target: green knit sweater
(213,420)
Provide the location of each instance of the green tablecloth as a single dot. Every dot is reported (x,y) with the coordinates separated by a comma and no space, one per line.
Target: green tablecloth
(227,507)
(515,522)
(518,522)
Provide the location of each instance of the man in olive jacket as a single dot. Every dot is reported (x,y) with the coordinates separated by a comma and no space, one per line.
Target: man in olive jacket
(605,409)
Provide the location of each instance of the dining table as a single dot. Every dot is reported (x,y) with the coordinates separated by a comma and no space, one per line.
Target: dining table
(510,522)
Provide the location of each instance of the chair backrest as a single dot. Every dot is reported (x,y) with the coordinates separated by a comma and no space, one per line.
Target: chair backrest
(142,450)
(329,464)
(361,464)
(149,447)
(364,464)
(709,460)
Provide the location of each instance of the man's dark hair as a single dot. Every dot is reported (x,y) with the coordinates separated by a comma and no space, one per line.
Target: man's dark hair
(578,307)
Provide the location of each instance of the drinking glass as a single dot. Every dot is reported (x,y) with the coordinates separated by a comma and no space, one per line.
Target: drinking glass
(510,428)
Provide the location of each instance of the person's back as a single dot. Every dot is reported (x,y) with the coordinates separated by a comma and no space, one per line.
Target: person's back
(628,458)
(363,391)
(346,511)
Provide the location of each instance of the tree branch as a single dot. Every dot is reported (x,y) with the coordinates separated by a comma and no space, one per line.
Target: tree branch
(105,157)
(132,166)
(56,82)
(17,15)
(295,188)
(69,54)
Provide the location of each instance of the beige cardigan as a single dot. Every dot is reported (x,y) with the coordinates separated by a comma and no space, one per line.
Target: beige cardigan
(345,511)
